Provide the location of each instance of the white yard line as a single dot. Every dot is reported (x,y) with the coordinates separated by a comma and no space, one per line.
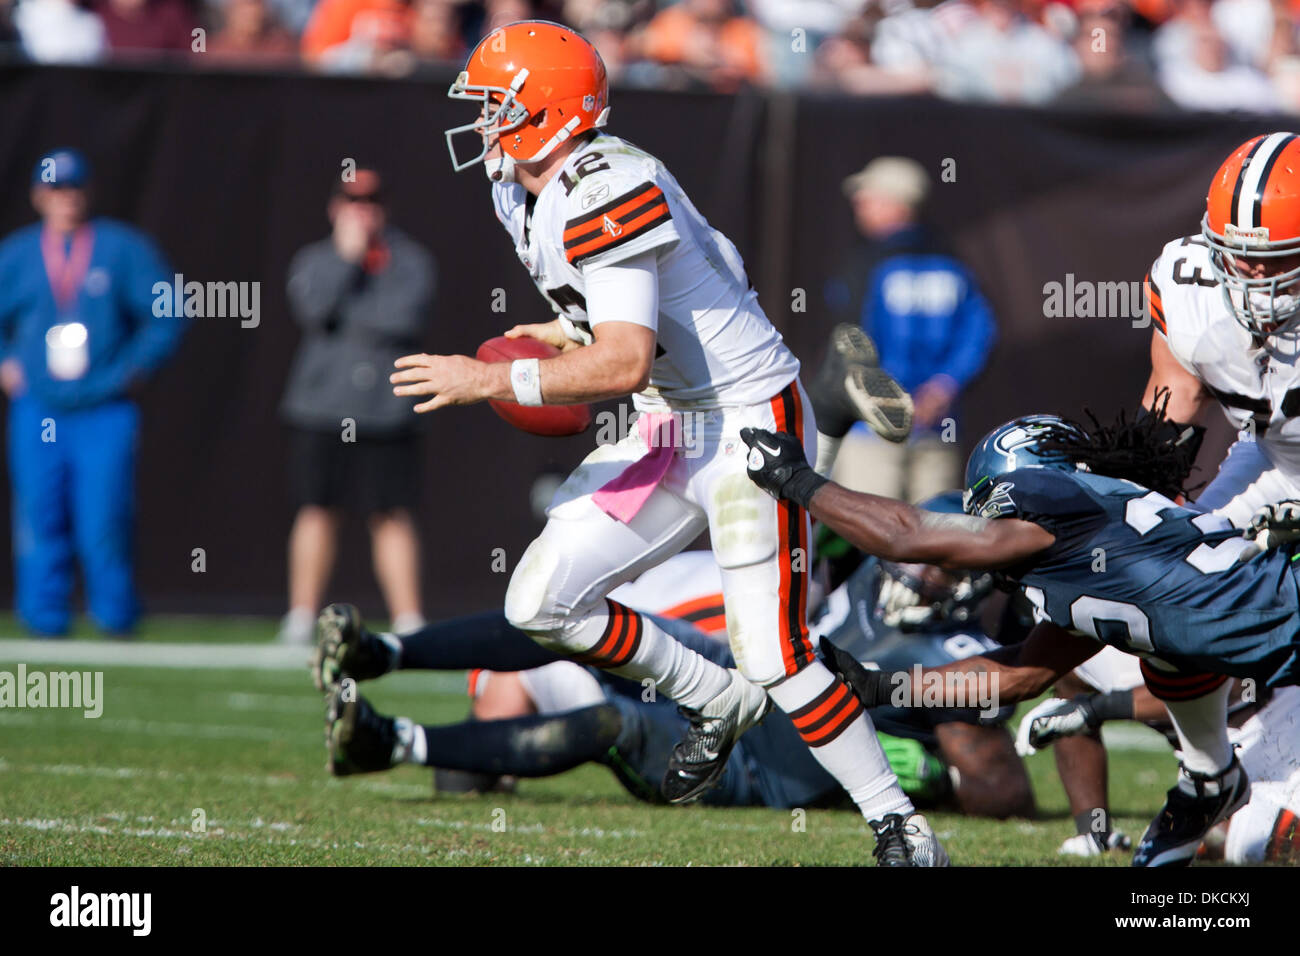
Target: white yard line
(259,657)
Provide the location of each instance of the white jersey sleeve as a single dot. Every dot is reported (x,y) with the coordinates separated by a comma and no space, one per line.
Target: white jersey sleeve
(1183,298)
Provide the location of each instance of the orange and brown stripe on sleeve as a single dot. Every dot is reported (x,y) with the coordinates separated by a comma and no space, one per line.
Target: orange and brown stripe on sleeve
(1154,306)
(827,715)
(618,221)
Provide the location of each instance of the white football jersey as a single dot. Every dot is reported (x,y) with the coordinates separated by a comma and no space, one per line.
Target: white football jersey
(610,201)
(1257,384)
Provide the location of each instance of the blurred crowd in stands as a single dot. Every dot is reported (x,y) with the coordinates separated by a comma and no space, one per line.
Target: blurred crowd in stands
(1127,54)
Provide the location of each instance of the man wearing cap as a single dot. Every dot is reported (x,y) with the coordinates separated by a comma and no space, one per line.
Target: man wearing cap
(929,320)
(361,297)
(78,332)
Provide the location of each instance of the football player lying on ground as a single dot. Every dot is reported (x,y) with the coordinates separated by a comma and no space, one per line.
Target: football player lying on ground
(543,719)
(1184,590)
(1264,727)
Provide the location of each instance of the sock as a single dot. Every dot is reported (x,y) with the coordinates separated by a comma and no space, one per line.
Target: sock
(827,449)
(411,745)
(478,640)
(632,645)
(836,728)
(410,621)
(1202,727)
(535,746)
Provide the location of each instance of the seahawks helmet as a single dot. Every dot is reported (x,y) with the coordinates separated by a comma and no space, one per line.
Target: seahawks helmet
(916,597)
(1011,446)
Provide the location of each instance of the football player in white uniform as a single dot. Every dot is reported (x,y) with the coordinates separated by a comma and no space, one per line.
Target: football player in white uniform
(1225,306)
(650,300)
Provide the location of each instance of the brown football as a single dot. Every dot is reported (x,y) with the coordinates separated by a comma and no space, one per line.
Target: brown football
(549,420)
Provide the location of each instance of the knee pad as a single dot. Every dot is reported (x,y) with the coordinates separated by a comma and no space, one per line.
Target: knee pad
(532,604)
(529,604)
(742,522)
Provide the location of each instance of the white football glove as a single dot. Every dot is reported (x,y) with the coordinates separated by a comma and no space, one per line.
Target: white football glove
(1275,524)
(1053,719)
(1085,845)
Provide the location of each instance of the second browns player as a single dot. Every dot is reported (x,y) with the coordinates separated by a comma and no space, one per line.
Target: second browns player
(1225,304)
(651,300)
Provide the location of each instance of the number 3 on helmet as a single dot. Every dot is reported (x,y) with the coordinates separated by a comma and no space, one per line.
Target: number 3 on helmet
(537,84)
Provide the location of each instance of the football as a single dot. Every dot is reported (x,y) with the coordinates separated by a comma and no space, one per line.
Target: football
(549,420)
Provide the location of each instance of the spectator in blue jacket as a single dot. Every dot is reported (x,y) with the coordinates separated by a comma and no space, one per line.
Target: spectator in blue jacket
(925,312)
(78,331)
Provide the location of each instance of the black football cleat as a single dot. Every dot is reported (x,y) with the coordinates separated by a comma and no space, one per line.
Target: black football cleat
(1174,835)
(357,738)
(344,648)
(698,760)
(906,841)
(851,387)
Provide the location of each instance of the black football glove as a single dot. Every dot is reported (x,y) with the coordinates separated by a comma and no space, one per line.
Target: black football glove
(778,466)
(873,688)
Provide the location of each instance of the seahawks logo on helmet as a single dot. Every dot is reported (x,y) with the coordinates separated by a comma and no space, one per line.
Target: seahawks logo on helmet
(1007,448)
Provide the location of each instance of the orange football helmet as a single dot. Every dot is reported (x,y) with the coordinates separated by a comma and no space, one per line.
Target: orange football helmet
(1252,224)
(537,84)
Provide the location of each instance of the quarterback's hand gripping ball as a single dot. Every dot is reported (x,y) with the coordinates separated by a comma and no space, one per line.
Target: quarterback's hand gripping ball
(548,420)
(777,464)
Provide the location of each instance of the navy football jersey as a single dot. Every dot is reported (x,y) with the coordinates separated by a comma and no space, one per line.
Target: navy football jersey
(1132,569)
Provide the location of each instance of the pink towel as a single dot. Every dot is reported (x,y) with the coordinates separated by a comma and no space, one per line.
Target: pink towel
(622,497)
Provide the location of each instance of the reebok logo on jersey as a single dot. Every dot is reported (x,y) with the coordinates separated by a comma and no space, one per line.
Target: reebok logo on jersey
(595,196)
(610,226)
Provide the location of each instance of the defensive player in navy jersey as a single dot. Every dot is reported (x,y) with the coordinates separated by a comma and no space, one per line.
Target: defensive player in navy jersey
(1103,559)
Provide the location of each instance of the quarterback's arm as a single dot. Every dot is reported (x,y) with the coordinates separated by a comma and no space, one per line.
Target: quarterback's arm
(623,308)
(1187,396)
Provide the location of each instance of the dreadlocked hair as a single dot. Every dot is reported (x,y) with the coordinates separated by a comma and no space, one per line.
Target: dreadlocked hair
(1150,449)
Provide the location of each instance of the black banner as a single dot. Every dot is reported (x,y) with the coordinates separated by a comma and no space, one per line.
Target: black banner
(230,173)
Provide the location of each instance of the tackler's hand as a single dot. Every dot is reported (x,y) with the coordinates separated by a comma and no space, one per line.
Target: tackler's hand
(1276,524)
(778,466)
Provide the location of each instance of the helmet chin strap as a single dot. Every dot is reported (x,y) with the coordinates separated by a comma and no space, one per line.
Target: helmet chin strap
(500,169)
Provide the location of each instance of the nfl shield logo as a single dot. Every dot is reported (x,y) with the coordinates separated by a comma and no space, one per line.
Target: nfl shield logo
(589,103)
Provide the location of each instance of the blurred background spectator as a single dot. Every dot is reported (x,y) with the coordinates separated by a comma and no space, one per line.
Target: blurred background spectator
(1199,71)
(1131,55)
(59,31)
(929,320)
(79,330)
(362,297)
(710,42)
(147,26)
(251,36)
(1111,75)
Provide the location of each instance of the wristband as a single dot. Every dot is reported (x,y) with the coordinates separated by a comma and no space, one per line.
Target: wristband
(526,380)
(1117,705)
(801,486)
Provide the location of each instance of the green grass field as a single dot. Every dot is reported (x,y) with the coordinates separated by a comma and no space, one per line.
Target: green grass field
(242,749)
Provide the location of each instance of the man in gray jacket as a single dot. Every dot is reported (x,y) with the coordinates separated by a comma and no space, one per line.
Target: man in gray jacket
(361,297)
